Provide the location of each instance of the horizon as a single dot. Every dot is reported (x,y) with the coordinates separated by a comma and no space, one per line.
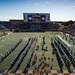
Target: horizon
(60,10)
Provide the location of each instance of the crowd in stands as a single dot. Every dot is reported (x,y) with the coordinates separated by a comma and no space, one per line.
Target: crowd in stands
(70,29)
(29,26)
(5,24)
(53,27)
(35,26)
(21,26)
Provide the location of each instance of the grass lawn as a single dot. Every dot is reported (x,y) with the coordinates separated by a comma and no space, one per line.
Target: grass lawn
(10,40)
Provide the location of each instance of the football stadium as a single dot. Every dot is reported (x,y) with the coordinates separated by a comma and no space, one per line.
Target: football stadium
(36,46)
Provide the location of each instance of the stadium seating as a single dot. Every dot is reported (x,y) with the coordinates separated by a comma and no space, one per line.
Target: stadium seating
(70,29)
(29,26)
(36,28)
(6,24)
(53,27)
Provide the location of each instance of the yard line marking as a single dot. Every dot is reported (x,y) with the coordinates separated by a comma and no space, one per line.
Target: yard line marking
(25,38)
(1,45)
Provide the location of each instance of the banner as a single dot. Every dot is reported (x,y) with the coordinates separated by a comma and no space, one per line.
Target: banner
(43,18)
(29,18)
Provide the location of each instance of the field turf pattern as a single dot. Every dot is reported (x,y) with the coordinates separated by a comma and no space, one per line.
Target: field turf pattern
(10,40)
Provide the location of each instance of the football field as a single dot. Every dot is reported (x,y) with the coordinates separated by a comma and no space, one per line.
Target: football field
(8,41)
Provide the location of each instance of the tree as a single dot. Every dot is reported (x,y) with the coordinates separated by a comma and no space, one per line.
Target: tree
(70,22)
(74,22)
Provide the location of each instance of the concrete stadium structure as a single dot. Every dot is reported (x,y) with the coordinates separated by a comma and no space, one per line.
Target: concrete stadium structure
(36,17)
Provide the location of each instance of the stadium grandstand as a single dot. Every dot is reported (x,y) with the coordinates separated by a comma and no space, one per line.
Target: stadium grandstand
(70,29)
(32,22)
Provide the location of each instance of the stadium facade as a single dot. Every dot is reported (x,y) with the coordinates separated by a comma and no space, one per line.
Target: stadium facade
(36,17)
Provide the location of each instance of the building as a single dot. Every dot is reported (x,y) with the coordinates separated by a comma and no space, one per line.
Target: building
(36,17)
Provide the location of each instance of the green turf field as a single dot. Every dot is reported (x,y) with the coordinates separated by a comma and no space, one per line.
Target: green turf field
(10,40)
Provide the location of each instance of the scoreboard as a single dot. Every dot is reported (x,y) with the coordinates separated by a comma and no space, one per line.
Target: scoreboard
(36,17)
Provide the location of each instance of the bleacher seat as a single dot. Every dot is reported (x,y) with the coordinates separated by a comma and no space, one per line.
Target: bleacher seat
(35,27)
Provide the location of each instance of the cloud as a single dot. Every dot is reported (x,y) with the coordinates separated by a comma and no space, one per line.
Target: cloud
(73,6)
(28,4)
(47,2)
(7,18)
(36,3)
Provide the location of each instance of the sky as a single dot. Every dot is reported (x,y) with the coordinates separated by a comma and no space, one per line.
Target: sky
(60,10)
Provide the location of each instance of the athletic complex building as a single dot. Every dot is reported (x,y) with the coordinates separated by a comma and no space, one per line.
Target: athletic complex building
(36,46)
